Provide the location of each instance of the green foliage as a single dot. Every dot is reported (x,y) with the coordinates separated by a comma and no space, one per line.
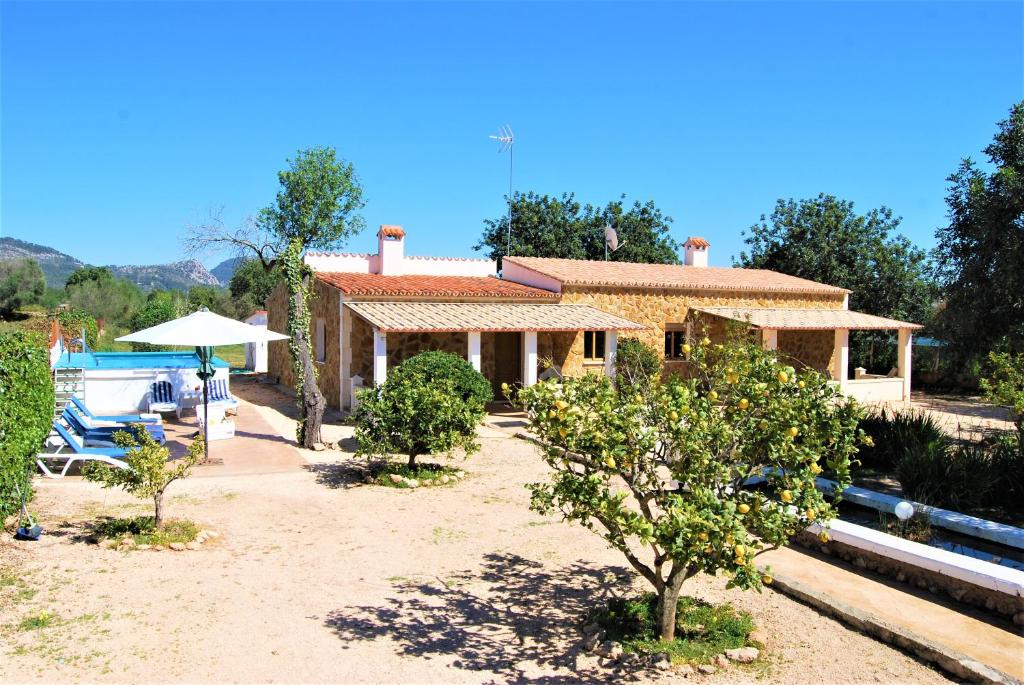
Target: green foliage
(824,239)
(545,226)
(318,201)
(952,476)
(893,433)
(414,415)
(979,256)
(468,383)
(636,363)
(252,284)
(144,530)
(89,274)
(161,306)
(73,321)
(150,470)
(705,630)
(216,299)
(426,474)
(1005,383)
(115,300)
(21,283)
(300,292)
(662,471)
(26,410)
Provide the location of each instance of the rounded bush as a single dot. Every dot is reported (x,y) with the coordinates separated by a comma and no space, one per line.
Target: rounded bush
(445,367)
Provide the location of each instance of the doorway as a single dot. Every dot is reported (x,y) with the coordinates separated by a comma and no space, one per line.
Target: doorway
(508,360)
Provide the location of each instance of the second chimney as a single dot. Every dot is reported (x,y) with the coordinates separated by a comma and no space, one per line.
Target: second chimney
(695,251)
(391,250)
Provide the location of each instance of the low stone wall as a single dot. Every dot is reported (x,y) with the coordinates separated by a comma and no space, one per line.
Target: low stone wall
(961,591)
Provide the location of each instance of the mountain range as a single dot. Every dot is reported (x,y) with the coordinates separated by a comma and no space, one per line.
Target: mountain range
(57,266)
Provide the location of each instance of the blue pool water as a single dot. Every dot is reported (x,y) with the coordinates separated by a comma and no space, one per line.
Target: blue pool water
(133,360)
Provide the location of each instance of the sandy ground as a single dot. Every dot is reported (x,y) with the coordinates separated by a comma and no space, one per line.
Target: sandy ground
(319,578)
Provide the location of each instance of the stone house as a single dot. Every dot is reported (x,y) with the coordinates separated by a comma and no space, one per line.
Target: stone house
(373,311)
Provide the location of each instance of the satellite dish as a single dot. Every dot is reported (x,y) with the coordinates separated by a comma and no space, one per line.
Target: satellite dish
(611,240)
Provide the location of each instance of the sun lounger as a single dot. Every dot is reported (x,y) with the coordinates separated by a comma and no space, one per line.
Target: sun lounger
(162,398)
(114,456)
(103,436)
(220,395)
(94,419)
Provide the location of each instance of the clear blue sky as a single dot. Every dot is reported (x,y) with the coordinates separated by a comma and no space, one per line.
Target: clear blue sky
(123,123)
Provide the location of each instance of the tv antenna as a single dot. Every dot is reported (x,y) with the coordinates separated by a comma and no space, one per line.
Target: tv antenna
(505,139)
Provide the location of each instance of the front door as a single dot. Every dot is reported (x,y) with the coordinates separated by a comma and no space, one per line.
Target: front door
(508,361)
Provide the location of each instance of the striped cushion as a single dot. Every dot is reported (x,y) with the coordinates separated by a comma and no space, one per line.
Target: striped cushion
(161,392)
(218,389)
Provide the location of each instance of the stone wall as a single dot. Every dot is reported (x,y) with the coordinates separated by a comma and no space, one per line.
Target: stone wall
(658,308)
(324,305)
(812,349)
(402,346)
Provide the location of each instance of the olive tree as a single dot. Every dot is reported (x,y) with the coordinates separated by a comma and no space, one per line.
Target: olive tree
(697,474)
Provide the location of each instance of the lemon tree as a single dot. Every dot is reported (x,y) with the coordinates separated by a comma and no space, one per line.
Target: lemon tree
(672,478)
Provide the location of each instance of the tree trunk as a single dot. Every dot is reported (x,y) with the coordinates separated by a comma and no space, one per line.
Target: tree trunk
(668,603)
(412,459)
(311,403)
(158,509)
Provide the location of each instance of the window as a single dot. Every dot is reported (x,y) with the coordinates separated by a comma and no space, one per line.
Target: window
(593,345)
(320,341)
(675,338)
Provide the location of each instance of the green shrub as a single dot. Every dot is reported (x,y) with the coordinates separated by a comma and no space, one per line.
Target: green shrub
(958,477)
(635,364)
(21,283)
(467,382)
(74,321)
(26,410)
(1007,464)
(161,306)
(425,407)
(894,435)
(1005,384)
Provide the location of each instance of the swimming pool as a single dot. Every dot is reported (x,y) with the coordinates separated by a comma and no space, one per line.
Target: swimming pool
(133,360)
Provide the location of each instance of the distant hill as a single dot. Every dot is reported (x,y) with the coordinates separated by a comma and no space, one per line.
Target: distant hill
(226,269)
(177,275)
(57,266)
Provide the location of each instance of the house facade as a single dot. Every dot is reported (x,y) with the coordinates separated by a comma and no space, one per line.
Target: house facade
(373,311)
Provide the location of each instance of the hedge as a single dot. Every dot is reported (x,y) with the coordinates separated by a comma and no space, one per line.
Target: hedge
(26,409)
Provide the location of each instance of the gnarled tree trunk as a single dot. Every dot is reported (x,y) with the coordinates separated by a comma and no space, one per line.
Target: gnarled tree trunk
(311,400)
(158,509)
(668,603)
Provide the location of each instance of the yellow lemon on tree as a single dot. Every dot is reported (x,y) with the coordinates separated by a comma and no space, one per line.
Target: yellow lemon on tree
(552,414)
(561,404)
(702,536)
(733,378)
(786,496)
(815,469)
(801,385)
(563,432)
(610,462)
(729,538)
(713,396)
(811,514)
(744,403)
(823,536)
(792,431)
(783,377)
(705,341)
(767,580)
(673,415)
(686,348)
(743,508)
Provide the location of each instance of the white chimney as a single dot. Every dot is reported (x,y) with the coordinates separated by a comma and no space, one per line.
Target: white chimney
(695,251)
(391,250)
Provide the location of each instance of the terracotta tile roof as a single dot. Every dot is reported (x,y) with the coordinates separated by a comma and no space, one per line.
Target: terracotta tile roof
(431,286)
(391,231)
(697,241)
(628,274)
(808,319)
(407,317)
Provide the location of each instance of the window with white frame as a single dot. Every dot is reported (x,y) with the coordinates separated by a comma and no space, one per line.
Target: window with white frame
(320,341)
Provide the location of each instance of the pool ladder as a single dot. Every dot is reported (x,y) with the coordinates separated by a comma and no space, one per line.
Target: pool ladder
(67,381)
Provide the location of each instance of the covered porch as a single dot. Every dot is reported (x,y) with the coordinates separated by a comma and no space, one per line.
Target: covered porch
(835,323)
(503,341)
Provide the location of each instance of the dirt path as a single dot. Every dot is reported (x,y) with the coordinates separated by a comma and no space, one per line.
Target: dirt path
(317,578)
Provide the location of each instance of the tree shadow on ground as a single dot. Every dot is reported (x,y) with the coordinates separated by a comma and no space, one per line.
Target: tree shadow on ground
(513,618)
(341,474)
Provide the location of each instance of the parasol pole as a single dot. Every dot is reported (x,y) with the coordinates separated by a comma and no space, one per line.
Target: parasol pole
(206,421)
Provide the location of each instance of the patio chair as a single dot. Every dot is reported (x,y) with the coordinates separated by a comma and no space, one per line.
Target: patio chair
(114,456)
(97,420)
(103,436)
(220,395)
(161,397)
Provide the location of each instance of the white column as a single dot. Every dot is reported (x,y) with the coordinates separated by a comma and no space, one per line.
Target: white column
(903,353)
(770,338)
(380,357)
(611,349)
(473,351)
(841,357)
(343,332)
(529,358)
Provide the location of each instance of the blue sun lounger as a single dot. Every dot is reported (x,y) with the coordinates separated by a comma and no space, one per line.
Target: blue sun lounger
(114,456)
(103,436)
(117,418)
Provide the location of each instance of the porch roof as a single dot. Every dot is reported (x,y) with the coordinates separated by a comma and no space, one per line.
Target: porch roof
(807,319)
(409,317)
